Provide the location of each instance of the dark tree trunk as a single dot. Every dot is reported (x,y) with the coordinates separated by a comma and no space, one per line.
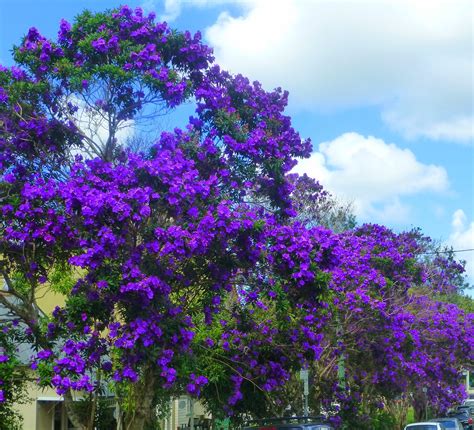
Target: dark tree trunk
(71,413)
(142,401)
(419,407)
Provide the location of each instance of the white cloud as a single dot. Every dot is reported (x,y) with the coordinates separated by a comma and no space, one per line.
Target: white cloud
(413,58)
(92,123)
(173,8)
(459,129)
(374,175)
(462,237)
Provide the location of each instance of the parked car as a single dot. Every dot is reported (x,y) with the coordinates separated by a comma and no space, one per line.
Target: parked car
(469,410)
(468,407)
(450,423)
(463,415)
(428,425)
(289,423)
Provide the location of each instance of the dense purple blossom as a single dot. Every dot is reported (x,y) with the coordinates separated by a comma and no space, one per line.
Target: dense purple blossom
(196,246)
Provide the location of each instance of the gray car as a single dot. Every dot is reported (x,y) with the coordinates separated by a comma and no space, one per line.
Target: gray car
(289,423)
(429,425)
(450,423)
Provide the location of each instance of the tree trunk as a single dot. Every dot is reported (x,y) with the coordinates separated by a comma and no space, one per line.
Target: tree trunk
(71,413)
(419,407)
(91,424)
(140,410)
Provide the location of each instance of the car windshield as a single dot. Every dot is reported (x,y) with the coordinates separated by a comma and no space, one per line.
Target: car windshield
(423,427)
(467,408)
(289,428)
(449,424)
(462,414)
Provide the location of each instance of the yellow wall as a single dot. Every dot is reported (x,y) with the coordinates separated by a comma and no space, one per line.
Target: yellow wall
(47,300)
(38,416)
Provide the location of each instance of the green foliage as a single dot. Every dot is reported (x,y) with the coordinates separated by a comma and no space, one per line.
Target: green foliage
(410,416)
(104,415)
(463,301)
(45,372)
(62,278)
(382,420)
(368,417)
(104,411)
(13,379)
(20,283)
(10,419)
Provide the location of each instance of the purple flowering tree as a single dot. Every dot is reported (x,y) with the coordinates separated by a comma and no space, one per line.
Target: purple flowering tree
(195,266)
(158,243)
(392,334)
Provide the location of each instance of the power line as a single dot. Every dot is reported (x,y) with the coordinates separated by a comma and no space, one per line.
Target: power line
(449,251)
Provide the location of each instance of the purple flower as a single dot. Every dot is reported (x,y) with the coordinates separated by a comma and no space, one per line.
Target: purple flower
(17,73)
(45,354)
(3,95)
(100,45)
(107,366)
(130,374)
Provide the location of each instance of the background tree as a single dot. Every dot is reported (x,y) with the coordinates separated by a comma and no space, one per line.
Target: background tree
(317,207)
(391,339)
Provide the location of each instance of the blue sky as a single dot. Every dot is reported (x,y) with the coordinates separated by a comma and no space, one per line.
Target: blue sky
(384,88)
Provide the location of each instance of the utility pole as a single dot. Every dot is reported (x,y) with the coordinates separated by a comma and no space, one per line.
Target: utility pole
(341,362)
(341,371)
(425,391)
(305,379)
(191,420)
